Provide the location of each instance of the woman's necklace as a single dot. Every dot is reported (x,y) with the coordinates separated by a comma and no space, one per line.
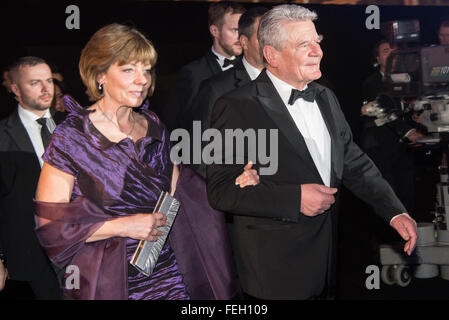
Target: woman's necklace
(129,135)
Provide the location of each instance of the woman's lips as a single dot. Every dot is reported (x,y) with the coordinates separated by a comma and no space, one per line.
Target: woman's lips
(137,93)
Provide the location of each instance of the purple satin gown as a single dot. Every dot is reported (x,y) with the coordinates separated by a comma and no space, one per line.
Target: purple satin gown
(122,179)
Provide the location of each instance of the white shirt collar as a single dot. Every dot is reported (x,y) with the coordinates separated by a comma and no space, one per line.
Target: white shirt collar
(221,59)
(253,72)
(28,117)
(282,87)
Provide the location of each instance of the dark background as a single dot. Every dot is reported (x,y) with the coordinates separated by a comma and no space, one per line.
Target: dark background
(180,35)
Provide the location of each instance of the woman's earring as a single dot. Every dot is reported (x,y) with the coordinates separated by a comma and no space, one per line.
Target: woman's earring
(100,87)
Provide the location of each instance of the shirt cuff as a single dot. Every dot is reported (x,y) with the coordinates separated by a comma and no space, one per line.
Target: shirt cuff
(398,216)
(408,132)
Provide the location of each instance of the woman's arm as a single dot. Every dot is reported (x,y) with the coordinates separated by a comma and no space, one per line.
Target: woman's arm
(56,186)
(174,179)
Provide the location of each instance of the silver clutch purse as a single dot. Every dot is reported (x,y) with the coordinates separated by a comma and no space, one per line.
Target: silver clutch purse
(147,253)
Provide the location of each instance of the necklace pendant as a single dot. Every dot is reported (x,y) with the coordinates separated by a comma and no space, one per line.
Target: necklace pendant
(131,138)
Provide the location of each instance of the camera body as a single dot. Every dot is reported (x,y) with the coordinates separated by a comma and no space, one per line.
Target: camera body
(418,74)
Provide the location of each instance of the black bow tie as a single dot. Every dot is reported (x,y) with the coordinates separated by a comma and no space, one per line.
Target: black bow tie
(308,95)
(228,62)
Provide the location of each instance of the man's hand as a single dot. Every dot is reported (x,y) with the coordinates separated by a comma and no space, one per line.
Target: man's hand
(407,229)
(3,275)
(414,135)
(316,198)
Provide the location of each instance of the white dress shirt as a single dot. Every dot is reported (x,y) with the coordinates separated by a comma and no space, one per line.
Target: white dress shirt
(309,121)
(221,60)
(33,129)
(251,70)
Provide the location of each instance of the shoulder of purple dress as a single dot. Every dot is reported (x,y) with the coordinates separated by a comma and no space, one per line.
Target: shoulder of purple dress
(72,106)
(75,122)
(157,128)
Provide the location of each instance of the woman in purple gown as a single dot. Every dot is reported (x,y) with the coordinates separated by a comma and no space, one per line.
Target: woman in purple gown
(103,173)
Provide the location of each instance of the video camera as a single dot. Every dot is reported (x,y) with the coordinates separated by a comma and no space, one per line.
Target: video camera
(416,75)
(419,75)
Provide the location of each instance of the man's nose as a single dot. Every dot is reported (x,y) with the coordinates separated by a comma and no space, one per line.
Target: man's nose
(316,49)
(45,87)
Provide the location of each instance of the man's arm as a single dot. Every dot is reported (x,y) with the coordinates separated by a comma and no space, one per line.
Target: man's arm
(362,177)
(267,199)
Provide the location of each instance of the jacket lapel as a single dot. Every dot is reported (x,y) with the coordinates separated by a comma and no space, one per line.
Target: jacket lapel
(277,111)
(325,108)
(58,116)
(18,133)
(212,62)
(240,74)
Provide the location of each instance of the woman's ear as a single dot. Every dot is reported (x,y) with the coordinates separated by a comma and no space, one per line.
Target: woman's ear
(101,78)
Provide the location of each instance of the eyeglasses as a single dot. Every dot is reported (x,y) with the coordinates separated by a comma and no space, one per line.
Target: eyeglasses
(307,44)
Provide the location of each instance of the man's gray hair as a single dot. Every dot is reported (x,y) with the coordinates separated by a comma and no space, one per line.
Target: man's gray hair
(271,27)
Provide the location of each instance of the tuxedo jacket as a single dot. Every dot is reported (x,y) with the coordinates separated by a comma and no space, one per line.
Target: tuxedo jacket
(19,174)
(212,89)
(190,78)
(281,253)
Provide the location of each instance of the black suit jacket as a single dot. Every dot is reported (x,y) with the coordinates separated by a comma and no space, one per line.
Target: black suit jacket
(212,89)
(190,78)
(281,253)
(19,174)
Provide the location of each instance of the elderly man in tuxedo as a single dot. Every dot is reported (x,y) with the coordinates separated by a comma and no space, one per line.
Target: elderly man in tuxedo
(285,227)
(23,138)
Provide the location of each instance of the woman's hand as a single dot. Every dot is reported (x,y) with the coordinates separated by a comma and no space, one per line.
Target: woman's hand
(143,226)
(249,177)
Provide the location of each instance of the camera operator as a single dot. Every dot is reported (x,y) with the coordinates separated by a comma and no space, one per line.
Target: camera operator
(443,32)
(387,144)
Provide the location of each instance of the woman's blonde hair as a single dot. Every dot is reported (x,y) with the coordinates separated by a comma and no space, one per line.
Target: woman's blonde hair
(114,43)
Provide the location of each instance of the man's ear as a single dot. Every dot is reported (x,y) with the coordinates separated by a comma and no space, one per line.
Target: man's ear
(214,31)
(244,42)
(271,56)
(15,89)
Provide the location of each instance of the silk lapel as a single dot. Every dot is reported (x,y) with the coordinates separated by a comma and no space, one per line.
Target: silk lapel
(277,111)
(325,107)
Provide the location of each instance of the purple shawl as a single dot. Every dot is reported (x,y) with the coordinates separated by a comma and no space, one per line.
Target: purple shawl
(198,238)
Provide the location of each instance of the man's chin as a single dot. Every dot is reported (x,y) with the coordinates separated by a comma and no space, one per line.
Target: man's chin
(316,75)
(41,107)
(235,51)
